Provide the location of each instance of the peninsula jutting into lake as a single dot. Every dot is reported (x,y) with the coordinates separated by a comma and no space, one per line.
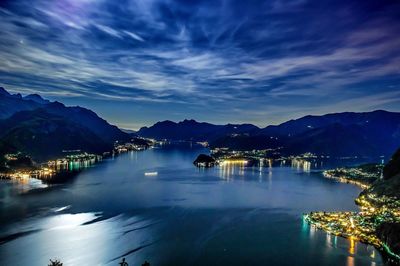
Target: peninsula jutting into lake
(207,132)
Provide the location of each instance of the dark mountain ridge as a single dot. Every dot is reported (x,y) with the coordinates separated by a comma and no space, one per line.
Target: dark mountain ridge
(339,134)
(193,130)
(309,122)
(88,119)
(36,98)
(343,134)
(12,103)
(44,135)
(43,129)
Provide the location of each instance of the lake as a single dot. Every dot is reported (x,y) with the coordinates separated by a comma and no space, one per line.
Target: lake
(182,216)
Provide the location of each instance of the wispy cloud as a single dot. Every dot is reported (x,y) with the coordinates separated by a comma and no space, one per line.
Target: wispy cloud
(134,36)
(257,57)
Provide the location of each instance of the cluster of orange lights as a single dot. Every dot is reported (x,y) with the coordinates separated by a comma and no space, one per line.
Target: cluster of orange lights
(234,162)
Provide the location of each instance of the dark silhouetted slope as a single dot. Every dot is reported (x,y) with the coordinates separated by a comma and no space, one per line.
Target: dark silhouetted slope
(43,135)
(343,134)
(12,103)
(193,130)
(43,129)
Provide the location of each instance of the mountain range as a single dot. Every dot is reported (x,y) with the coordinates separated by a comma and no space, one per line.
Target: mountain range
(43,129)
(340,134)
(193,130)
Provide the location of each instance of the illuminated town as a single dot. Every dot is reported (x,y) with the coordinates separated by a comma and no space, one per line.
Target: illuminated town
(49,170)
(265,158)
(361,176)
(73,162)
(374,210)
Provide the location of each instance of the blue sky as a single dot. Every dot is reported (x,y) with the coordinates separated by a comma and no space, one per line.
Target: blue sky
(262,62)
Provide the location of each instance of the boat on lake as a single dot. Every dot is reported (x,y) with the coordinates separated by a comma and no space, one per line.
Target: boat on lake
(151,173)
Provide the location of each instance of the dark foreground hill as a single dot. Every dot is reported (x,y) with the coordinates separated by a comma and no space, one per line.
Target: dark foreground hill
(389,232)
(390,185)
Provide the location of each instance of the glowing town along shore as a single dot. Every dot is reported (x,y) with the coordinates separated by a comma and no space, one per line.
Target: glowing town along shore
(125,147)
(233,161)
(374,210)
(344,179)
(75,161)
(361,225)
(49,170)
(268,157)
(362,176)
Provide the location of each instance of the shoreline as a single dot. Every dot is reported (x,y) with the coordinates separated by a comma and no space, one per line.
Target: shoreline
(346,180)
(60,170)
(361,225)
(378,244)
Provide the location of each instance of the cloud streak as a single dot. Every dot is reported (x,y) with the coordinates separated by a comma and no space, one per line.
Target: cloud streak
(204,57)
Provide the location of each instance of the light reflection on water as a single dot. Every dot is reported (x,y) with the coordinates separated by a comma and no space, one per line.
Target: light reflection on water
(229,215)
(349,247)
(76,240)
(229,171)
(303,165)
(23,185)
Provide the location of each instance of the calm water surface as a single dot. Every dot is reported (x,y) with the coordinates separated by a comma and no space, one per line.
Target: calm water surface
(182,216)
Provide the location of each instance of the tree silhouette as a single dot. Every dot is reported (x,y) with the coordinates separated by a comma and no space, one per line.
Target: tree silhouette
(55,263)
(123,263)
